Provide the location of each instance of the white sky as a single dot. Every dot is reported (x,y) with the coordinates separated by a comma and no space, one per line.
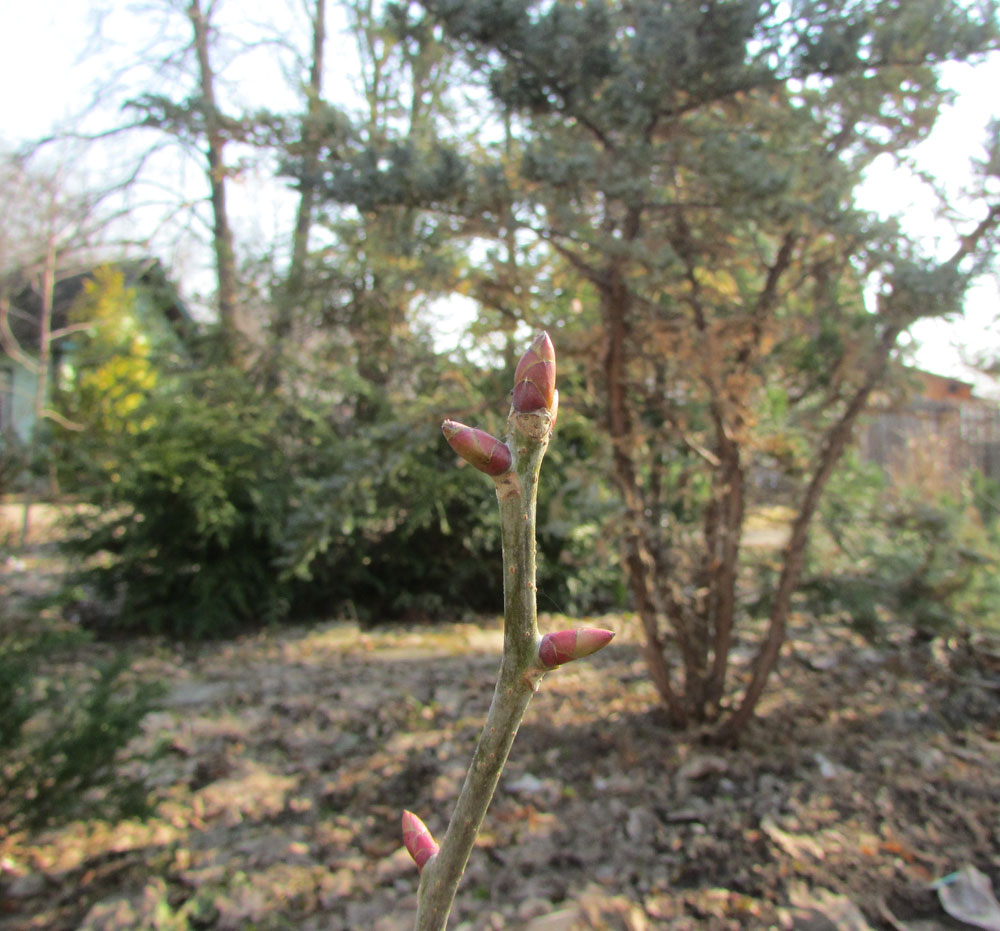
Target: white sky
(44,84)
(958,136)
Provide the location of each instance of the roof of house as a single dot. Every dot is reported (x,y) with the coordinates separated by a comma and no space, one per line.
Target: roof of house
(944,388)
(26,301)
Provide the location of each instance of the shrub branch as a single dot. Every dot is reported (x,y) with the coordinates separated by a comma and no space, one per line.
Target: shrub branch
(526,655)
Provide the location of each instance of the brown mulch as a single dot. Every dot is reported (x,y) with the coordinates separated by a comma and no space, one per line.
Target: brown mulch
(279,764)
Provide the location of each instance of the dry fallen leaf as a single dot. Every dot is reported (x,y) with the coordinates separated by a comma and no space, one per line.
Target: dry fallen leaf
(968,896)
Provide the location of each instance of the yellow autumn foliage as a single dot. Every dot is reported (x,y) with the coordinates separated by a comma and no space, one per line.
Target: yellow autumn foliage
(110,370)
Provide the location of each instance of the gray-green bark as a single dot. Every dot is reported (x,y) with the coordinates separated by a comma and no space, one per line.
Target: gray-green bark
(520,670)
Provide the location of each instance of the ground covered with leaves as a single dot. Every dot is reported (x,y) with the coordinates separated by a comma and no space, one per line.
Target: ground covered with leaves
(276,768)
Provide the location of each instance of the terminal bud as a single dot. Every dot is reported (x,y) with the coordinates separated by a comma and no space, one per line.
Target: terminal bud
(535,377)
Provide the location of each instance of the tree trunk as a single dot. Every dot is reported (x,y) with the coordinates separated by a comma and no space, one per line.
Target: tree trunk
(639,562)
(900,315)
(725,555)
(293,294)
(831,450)
(47,286)
(222,235)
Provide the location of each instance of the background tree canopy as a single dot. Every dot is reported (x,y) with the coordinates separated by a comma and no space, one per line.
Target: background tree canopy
(691,170)
(669,188)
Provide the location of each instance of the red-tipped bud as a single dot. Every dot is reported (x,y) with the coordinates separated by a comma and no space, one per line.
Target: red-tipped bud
(535,377)
(478,448)
(418,840)
(564,646)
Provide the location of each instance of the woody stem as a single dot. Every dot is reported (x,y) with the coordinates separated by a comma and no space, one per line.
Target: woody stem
(519,673)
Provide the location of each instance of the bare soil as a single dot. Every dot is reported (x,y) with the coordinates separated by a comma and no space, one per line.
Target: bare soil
(279,764)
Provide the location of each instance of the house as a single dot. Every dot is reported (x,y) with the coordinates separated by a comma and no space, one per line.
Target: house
(939,425)
(157,305)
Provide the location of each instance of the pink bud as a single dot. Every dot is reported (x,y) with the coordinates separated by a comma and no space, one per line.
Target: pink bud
(535,377)
(564,646)
(418,840)
(478,448)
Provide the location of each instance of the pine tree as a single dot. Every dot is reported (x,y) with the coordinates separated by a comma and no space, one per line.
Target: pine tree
(694,165)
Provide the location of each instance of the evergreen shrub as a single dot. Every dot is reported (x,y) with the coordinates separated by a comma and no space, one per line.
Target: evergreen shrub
(59,740)
(13,461)
(388,530)
(886,552)
(379,535)
(222,508)
(190,516)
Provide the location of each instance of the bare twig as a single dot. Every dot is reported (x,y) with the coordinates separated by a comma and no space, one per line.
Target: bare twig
(514,465)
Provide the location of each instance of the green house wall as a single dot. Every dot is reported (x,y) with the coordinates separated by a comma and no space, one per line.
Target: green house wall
(20,404)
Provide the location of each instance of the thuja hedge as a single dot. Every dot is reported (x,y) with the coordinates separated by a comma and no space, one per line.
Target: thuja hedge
(222,508)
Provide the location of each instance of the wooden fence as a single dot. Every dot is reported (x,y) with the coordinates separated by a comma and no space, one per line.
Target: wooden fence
(934,439)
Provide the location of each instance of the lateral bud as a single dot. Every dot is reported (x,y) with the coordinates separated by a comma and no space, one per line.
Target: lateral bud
(564,646)
(418,840)
(478,448)
(535,377)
